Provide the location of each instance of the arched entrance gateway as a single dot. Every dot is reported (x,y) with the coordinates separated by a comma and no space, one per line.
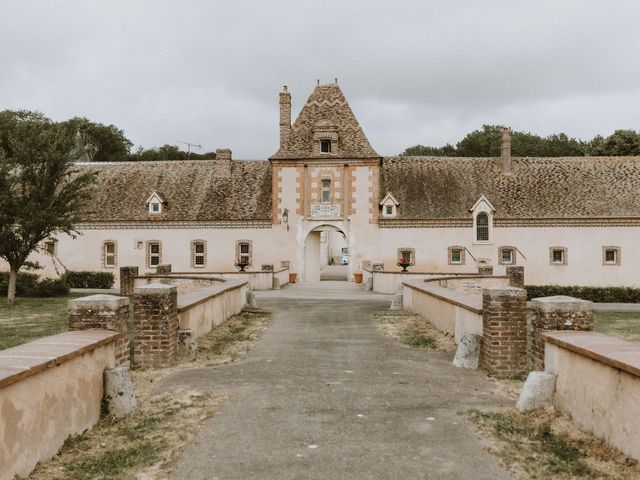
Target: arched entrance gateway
(326,254)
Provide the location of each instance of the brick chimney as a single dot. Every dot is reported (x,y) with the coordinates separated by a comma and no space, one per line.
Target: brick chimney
(506,151)
(285,116)
(223,161)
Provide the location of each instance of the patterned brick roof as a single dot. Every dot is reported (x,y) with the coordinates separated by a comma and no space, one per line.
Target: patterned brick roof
(194,190)
(326,106)
(563,187)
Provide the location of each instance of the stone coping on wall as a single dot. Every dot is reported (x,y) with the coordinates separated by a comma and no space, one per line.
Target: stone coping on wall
(463,276)
(174,277)
(18,363)
(198,274)
(446,274)
(191,299)
(612,351)
(463,300)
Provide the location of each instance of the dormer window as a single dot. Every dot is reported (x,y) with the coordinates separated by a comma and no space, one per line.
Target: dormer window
(325,146)
(482,220)
(154,202)
(389,206)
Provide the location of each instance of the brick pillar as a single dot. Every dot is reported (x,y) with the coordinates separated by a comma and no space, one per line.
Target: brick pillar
(516,276)
(106,312)
(127,275)
(557,313)
(504,327)
(485,270)
(155,311)
(163,269)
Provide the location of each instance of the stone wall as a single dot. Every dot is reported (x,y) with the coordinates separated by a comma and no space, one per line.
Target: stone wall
(127,279)
(156,326)
(557,313)
(504,321)
(106,312)
(516,276)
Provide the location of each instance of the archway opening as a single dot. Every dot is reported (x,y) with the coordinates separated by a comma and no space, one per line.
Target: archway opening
(326,254)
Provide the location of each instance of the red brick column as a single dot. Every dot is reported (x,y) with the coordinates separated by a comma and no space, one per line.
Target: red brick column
(557,313)
(155,312)
(127,275)
(504,323)
(106,312)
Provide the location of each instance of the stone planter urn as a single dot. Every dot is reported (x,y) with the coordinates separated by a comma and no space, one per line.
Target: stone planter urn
(292,277)
(357,277)
(242,265)
(404,266)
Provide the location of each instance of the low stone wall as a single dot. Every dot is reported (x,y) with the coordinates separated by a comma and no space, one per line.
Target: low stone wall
(183,283)
(471,284)
(49,389)
(455,313)
(258,280)
(391,282)
(598,384)
(202,310)
(280,278)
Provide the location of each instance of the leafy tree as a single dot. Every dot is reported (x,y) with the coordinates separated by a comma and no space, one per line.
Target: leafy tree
(40,193)
(107,143)
(168,152)
(620,142)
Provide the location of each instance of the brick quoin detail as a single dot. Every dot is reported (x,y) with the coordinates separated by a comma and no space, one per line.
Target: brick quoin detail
(104,312)
(155,312)
(127,279)
(504,323)
(557,313)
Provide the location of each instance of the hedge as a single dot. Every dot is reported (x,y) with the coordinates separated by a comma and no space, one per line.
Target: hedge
(89,279)
(28,285)
(594,294)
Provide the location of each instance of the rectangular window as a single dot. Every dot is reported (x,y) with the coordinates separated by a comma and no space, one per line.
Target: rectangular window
(325,146)
(558,256)
(611,255)
(50,247)
(153,253)
(243,252)
(407,254)
(456,255)
(507,256)
(389,209)
(109,254)
(198,254)
(326,191)
(155,207)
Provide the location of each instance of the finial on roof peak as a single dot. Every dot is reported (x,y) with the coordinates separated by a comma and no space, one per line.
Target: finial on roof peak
(336,80)
(318,82)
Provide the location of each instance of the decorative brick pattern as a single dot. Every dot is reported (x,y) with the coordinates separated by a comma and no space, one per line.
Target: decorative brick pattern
(504,323)
(105,312)
(156,326)
(557,313)
(516,276)
(127,277)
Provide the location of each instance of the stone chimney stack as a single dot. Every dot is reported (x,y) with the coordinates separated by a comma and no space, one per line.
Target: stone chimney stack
(506,150)
(285,116)
(223,160)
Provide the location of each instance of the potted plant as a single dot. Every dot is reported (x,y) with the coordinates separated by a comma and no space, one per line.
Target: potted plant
(357,277)
(292,277)
(242,265)
(404,263)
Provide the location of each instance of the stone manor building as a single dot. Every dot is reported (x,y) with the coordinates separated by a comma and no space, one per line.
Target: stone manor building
(568,221)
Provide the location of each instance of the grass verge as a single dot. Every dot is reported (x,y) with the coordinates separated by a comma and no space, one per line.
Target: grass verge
(624,325)
(547,445)
(413,330)
(147,444)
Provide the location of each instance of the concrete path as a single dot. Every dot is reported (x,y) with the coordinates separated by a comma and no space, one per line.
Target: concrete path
(324,396)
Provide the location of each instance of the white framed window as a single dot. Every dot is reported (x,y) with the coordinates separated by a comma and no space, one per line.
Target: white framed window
(456,255)
(611,255)
(326,191)
(198,253)
(244,251)
(325,146)
(109,253)
(389,206)
(154,203)
(557,256)
(507,256)
(388,210)
(408,254)
(482,227)
(154,253)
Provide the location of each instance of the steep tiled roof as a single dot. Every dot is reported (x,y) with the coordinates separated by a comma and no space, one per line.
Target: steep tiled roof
(194,190)
(326,106)
(570,187)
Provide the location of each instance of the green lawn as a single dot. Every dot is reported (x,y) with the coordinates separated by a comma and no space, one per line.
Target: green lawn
(618,324)
(32,318)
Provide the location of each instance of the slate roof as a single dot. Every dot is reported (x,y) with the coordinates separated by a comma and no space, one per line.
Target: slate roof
(326,102)
(195,190)
(562,187)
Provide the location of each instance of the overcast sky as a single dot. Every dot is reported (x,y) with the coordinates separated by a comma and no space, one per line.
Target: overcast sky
(414,72)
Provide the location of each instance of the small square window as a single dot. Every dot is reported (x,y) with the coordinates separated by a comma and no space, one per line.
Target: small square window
(456,255)
(507,256)
(611,255)
(50,247)
(155,207)
(325,146)
(558,256)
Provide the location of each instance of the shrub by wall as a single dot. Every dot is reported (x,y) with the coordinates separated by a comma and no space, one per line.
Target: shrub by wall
(28,285)
(89,279)
(593,294)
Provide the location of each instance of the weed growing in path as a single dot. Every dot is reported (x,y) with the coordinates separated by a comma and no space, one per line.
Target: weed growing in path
(546,445)
(414,331)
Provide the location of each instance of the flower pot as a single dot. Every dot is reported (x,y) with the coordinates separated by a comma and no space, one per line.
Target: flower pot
(292,277)
(404,266)
(357,277)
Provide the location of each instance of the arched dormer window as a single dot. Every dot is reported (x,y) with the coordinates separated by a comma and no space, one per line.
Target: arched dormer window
(482,227)
(326,191)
